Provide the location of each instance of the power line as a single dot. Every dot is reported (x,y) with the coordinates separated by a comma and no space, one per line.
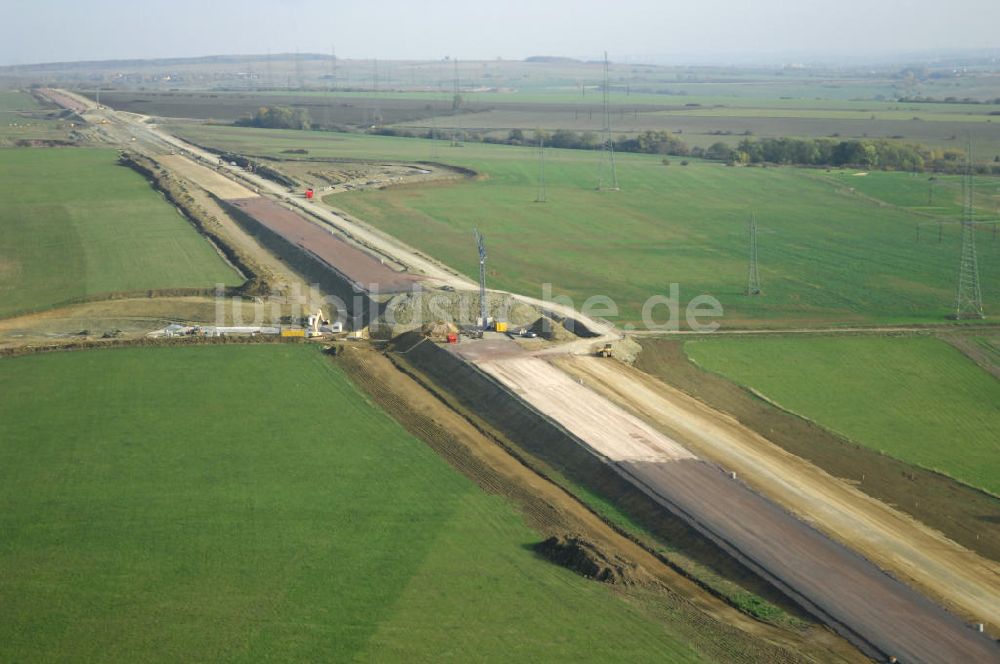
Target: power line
(540,196)
(376,102)
(753,275)
(299,80)
(456,104)
(969,299)
(607,174)
(333,68)
(481,245)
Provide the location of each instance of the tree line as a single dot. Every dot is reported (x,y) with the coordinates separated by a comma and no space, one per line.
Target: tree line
(278,117)
(823,152)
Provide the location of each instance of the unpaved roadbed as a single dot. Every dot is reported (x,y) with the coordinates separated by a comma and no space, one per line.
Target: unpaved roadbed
(963,580)
(852,594)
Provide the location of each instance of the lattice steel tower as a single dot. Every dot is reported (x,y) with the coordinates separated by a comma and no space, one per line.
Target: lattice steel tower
(969,299)
(456,106)
(540,196)
(607,174)
(481,244)
(753,276)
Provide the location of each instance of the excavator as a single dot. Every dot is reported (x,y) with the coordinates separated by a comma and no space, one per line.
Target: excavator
(317,325)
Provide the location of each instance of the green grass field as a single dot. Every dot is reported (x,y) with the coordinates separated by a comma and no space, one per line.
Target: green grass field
(12,101)
(826,255)
(21,118)
(247,503)
(75,224)
(937,196)
(915,398)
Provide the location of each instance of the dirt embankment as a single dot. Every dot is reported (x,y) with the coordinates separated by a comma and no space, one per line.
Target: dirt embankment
(257,278)
(965,515)
(483,454)
(93,344)
(128,317)
(208,179)
(551,452)
(589,559)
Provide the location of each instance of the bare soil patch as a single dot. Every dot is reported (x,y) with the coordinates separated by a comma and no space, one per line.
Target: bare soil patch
(334,176)
(210,180)
(588,559)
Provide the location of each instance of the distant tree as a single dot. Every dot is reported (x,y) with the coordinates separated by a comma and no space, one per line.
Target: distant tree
(719,151)
(279,117)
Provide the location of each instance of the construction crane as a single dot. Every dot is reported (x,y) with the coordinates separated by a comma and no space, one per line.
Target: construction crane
(481,244)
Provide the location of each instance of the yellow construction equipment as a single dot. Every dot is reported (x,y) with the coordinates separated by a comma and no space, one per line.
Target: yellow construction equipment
(604,351)
(315,321)
(501,326)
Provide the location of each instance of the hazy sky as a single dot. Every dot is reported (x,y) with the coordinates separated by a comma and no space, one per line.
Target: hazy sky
(60,30)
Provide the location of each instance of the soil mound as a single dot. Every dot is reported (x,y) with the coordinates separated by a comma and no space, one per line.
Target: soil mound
(587,559)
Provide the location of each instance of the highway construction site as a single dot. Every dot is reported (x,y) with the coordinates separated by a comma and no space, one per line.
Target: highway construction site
(532,399)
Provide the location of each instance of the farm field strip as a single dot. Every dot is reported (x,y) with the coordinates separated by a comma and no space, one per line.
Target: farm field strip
(77,225)
(916,399)
(826,257)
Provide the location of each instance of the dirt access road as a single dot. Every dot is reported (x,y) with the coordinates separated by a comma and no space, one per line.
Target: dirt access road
(964,581)
(122,128)
(880,614)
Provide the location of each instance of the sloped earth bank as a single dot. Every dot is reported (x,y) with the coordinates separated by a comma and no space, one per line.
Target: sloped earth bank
(711,626)
(959,578)
(878,613)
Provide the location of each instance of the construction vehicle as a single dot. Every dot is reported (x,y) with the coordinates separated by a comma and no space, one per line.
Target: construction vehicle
(318,325)
(314,321)
(604,351)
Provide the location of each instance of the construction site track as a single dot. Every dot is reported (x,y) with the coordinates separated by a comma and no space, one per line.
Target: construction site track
(716,629)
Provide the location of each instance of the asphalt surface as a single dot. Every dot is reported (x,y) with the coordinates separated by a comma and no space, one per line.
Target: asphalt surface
(852,595)
(361,269)
(881,615)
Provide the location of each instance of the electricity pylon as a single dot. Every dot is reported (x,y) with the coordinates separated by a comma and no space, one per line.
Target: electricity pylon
(607,174)
(969,299)
(968,296)
(540,197)
(753,276)
(481,245)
